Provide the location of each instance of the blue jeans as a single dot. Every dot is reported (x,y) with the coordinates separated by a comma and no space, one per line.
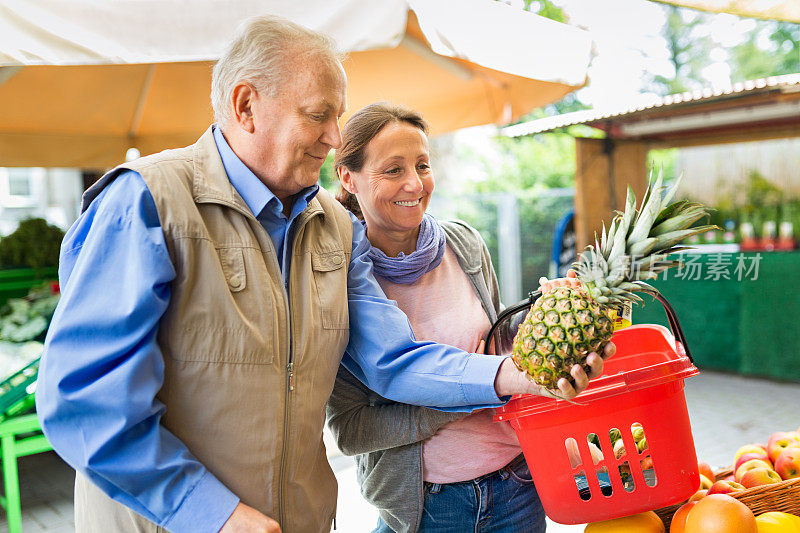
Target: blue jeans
(504,501)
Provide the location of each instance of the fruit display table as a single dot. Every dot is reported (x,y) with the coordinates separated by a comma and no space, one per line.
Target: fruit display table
(15,283)
(737,310)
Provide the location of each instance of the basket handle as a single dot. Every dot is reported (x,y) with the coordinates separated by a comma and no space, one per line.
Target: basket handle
(672,318)
(519,306)
(674,324)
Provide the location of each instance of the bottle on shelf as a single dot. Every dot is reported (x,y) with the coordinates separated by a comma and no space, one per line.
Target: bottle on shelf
(769,231)
(786,240)
(747,234)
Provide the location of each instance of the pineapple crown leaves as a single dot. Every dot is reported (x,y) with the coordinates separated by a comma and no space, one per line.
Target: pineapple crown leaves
(634,248)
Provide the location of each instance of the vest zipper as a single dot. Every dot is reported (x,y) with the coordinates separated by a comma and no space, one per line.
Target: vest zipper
(287,402)
(287,407)
(290,376)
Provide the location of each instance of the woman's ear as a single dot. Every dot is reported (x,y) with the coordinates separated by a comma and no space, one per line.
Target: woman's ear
(346,179)
(243,98)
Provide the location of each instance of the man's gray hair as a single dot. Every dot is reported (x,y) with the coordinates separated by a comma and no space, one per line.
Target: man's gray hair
(258,55)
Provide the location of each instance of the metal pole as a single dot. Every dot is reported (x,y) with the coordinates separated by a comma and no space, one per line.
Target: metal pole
(508,244)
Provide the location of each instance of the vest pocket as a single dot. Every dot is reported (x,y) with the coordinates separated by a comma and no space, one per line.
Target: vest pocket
(330,277)
(232,261)
(224,316)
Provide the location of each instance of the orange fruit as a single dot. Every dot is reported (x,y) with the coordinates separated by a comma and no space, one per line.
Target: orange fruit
(720,513)
(648,522)
(678,524)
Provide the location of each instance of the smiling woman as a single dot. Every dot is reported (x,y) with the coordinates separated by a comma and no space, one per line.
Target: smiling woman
(424,469)
(396,182)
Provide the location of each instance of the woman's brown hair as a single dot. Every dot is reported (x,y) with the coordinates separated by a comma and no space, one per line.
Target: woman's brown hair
(359,130)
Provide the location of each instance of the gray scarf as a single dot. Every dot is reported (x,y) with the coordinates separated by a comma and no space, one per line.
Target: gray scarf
(406,269)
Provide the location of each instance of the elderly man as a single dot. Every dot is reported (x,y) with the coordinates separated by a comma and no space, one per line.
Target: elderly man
(209,294)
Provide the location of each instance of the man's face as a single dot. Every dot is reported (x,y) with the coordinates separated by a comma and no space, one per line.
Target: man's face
(295,130)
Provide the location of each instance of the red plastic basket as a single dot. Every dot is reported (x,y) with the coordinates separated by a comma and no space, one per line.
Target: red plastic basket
(642,383)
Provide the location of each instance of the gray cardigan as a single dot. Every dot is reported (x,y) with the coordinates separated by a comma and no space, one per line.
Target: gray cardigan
(385,436)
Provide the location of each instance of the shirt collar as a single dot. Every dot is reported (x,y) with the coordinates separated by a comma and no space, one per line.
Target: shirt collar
(255,194)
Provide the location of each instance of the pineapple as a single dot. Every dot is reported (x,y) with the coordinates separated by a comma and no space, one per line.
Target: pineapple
(566,324)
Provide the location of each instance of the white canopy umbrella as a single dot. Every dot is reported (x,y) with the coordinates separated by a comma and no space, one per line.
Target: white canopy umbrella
(786,10)
(81,81)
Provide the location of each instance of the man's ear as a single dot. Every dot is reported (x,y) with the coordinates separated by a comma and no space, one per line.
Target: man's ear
(244,96)
(346,179)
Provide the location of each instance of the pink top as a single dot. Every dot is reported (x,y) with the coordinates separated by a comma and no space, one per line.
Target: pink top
(442,307)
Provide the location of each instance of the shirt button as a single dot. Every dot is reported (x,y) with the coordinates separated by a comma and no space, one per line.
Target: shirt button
(337,259)
(235,282)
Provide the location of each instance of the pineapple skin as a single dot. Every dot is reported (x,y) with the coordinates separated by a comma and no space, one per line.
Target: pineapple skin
(562,328)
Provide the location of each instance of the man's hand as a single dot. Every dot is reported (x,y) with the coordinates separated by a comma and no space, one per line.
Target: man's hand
(571,281)
(510,380)
(247,520)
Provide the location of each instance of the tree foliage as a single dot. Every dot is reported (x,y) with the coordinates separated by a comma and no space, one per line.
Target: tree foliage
(34,244)
(769,48)
(781,55)
(688,52)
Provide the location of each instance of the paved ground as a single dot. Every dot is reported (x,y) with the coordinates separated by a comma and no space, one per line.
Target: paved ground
(726,412)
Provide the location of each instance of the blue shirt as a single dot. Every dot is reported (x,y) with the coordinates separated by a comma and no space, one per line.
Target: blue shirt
(102,365)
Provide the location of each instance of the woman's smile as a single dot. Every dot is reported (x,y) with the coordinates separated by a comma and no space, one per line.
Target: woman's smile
(408,203)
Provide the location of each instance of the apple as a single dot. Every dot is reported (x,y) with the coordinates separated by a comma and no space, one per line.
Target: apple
(725,487)
(780,441)
(699,495)
(705,469)
(729,478)
(787,465)
(705,483)
(750,448)
(749,465)
(750,455)
(759,476)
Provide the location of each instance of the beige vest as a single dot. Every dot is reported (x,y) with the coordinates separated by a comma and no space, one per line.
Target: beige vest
(247,374)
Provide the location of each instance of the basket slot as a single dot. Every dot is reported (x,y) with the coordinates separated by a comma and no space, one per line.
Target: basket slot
(648,471)
(595,446)
(582,486)
(590,472)
(624,470)
(636,472)
(613,457)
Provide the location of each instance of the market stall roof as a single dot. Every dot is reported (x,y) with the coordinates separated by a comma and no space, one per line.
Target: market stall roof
(605,168)
(786,10)
(763,108)
(81,81)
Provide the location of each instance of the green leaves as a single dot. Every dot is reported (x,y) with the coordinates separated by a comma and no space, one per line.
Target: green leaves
(637,243)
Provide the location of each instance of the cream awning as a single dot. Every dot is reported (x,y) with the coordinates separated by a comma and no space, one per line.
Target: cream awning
(83,81)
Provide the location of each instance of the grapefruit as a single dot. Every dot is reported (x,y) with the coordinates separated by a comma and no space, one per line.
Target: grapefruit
(720,513)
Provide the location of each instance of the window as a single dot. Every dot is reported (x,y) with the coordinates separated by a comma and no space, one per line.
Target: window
(19,182)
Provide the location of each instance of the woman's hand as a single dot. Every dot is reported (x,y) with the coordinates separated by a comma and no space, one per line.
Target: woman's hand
(571,281)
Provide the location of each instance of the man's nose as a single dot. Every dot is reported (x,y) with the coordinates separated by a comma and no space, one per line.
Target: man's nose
(332,135)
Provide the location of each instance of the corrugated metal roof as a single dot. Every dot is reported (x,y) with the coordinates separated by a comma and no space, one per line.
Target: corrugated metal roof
(592,115)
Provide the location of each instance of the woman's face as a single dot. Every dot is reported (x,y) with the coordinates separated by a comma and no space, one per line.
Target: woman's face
(395,184)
